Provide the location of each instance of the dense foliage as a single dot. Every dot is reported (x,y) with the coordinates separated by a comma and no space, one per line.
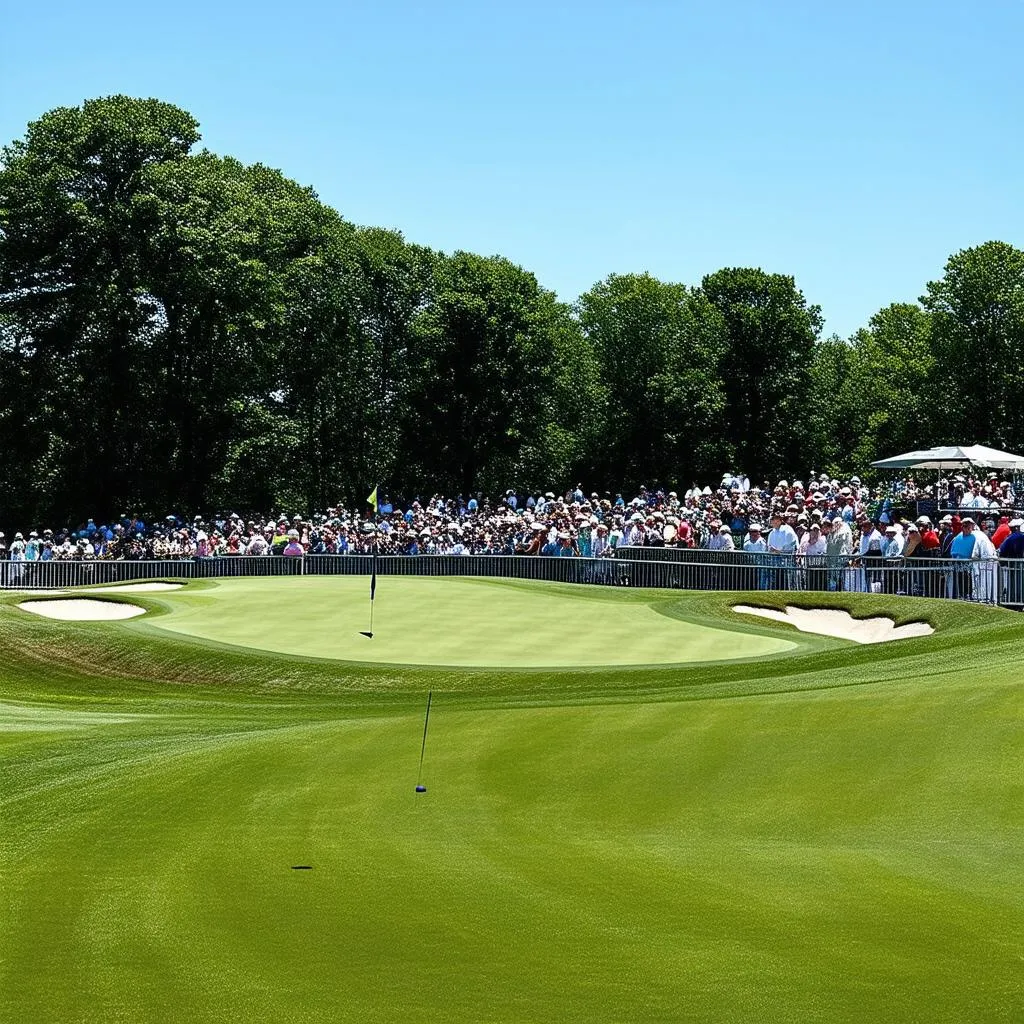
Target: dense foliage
(179,330)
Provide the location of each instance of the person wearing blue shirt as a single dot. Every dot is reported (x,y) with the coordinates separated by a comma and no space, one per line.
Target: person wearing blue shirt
(962,550)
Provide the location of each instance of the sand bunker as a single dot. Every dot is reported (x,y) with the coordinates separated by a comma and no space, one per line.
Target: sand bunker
(83,610)
(838,623)
(137,588)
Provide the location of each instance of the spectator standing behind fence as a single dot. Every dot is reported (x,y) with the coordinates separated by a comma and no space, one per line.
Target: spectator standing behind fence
(1011,550)
(721,540)
(812,551)
(985,570)
(782,541)
(962,550)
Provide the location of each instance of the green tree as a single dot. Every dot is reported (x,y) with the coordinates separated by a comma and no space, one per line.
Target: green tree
(770,334)
(832,416)
(889,390)
(658,348)
(75,219)
(485,366)
(977,316)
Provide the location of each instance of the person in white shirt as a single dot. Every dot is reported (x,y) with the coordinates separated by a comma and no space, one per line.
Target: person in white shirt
(755,543)
(782,545)
(892,551)
(812,554)
(974,498)
(985,569)
(782,540)
(870,551)
(838,547)
(722,540)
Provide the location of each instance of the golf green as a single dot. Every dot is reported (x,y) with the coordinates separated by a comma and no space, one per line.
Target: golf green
(197,832)
(455,622)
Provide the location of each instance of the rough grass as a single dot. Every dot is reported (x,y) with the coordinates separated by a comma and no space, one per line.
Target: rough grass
(834,834)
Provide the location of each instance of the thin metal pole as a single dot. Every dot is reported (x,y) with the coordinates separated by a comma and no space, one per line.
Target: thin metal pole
(423,747)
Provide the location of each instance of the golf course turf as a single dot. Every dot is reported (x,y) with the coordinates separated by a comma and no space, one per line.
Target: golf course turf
(457,622)
(803,830)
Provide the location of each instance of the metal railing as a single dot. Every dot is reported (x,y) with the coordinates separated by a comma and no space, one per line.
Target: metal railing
(989,581)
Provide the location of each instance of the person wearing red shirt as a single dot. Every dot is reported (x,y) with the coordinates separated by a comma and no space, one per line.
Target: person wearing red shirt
(1002,531)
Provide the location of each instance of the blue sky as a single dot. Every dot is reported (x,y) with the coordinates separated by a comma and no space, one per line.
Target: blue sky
(854,146)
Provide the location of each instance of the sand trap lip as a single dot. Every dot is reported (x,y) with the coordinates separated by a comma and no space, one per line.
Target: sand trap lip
(82,609)
(136,588)
(838,623)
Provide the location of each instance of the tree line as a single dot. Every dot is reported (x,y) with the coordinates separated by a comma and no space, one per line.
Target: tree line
(179,330)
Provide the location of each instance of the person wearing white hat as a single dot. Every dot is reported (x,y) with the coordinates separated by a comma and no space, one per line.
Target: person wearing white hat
(755,542)
(963,551)
(812,550)
(757,548)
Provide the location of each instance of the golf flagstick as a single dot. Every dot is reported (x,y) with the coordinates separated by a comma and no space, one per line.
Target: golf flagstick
(372,502)
(420,788)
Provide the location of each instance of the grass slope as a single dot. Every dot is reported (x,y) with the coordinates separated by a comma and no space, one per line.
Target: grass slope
(832,834)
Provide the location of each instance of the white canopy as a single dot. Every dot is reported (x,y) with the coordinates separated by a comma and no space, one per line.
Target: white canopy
(954,457)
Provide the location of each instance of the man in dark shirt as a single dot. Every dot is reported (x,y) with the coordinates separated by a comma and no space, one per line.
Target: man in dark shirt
(1011,551)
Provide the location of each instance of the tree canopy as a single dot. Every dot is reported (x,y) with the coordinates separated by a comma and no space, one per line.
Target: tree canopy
(179,330)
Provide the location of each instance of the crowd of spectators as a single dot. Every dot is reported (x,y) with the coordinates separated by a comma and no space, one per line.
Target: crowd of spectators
(823,517)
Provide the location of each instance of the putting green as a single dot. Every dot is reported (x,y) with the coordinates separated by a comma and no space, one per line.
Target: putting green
(456,622)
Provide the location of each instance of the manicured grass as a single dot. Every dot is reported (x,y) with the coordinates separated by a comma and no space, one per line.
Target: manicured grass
(457,622)
(830,834)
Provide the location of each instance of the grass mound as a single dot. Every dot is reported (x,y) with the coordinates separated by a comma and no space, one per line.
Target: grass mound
(834,832)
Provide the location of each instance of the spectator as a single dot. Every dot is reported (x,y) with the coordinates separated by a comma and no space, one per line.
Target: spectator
(962,550)
(813,550)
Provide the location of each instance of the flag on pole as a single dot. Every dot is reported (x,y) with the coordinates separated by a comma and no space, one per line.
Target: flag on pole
(373,574)
(372,500)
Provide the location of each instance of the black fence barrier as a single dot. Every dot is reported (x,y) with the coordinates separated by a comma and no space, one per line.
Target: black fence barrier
(990,581)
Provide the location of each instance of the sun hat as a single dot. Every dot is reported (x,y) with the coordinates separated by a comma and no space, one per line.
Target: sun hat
(724,529)
(754,528)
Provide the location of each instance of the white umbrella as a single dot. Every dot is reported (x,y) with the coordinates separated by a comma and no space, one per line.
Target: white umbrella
(954,457)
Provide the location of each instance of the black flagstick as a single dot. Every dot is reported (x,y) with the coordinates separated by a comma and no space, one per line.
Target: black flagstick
(420,788)
(373,581)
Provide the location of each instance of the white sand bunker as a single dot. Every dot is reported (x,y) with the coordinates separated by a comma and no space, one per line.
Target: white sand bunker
(137,588)
(83,610)
(838,623)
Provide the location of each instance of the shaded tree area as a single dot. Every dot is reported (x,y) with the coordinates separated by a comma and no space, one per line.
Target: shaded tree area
(179,331)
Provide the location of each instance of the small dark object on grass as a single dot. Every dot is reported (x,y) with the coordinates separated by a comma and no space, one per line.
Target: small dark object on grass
(302,867)
(364,632)
(421,789)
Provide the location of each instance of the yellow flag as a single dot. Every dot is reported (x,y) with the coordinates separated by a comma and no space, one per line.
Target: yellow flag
(372,499)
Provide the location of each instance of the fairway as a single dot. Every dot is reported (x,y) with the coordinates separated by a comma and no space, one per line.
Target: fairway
(457,622)
(832,834)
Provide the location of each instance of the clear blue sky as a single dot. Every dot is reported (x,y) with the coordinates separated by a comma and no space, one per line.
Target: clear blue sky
(852,145)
